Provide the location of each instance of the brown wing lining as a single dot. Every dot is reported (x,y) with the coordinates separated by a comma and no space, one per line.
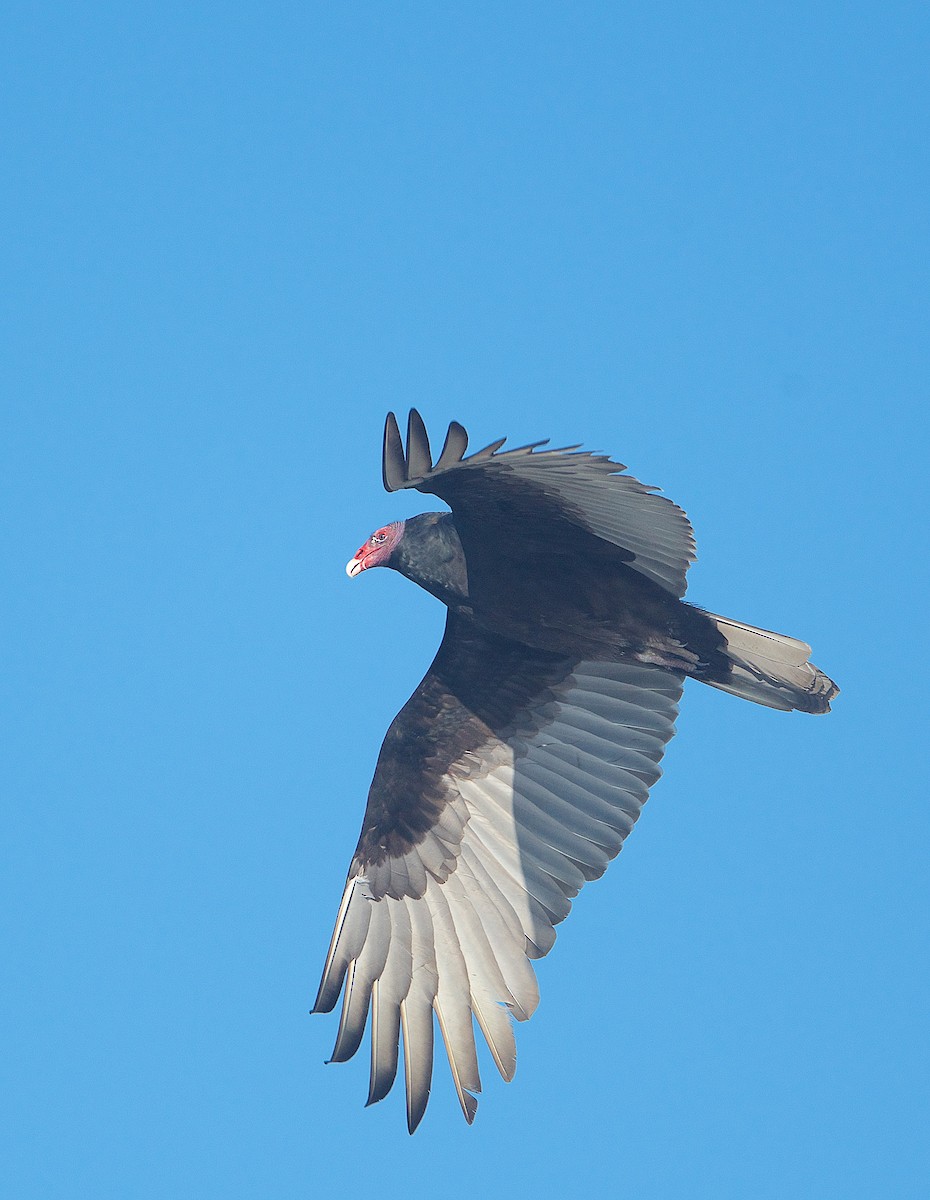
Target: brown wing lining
(472,695)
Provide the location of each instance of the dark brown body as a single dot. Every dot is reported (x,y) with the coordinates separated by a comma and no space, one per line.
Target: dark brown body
(579,596)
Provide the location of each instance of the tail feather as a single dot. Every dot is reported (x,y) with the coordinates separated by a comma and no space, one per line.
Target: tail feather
(772,669)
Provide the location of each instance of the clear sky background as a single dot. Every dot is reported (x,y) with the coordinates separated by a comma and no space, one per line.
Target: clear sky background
(693,236)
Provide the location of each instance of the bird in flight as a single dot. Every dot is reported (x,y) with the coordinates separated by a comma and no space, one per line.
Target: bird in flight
(520,763)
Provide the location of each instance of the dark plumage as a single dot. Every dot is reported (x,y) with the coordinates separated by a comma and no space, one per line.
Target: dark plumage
(522,760)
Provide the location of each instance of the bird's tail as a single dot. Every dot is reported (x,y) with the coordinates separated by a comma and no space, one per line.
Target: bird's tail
(771,669)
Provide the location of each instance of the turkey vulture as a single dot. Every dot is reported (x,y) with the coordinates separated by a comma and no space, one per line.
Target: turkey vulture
(518,766)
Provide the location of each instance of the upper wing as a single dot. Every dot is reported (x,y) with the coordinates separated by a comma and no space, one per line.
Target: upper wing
(586,490)
(509,778)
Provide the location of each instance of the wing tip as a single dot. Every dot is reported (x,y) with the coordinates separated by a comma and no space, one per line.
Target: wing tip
(453,448)
(416,1110)
(419,458)
(410,466)
(393,462)
(469,1106)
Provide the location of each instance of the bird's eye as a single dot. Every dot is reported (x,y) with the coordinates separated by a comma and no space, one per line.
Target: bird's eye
(378,539)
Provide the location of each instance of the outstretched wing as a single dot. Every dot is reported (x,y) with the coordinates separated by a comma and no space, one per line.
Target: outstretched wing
(529,491)
(509,778)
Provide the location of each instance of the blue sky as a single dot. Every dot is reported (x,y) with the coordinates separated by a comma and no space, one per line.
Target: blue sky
(692,236)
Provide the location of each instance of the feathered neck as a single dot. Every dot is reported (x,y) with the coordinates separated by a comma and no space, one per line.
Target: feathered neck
(430,553)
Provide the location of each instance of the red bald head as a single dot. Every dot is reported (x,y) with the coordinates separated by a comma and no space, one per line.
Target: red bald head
(377,550)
